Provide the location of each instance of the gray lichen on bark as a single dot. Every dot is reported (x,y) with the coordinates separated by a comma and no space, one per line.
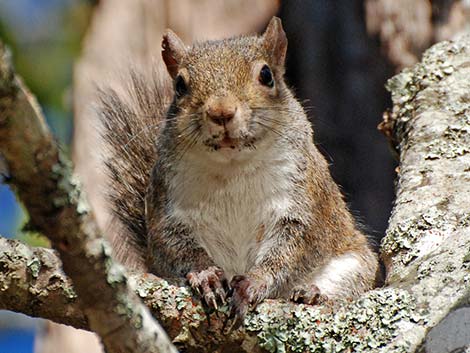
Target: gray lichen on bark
(32,282)
(427,244)
(275,326)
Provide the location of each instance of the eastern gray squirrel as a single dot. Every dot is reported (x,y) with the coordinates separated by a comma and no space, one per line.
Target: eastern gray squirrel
(217,179)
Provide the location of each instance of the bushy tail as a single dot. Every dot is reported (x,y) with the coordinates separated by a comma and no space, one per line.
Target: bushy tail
(130,123)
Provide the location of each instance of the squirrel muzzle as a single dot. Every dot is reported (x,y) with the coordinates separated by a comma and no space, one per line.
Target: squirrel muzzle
(226,121)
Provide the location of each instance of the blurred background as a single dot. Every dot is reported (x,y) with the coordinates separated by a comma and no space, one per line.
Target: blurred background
(44,37)
(340,55)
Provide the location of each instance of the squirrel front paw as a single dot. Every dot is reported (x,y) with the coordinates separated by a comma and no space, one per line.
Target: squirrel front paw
(210,284)
(307,294)
(246,292)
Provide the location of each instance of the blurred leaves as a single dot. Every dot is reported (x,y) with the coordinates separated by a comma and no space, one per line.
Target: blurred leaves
(45,59)
(45,37)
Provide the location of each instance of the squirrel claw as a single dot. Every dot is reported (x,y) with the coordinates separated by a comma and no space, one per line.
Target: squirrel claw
(233,323)
(236,317)
(213,303)
(208,284)
(220,293)
(209,298)
(247,293)
(307,295)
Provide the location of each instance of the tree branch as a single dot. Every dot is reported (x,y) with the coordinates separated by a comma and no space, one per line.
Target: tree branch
(42,179)
(426,248)
(274,325)
(32,282)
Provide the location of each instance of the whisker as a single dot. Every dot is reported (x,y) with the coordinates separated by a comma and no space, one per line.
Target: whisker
(315,119)
(154,127)
(279,109)
(183,138)
(190,140)
(281,135)
(274,120)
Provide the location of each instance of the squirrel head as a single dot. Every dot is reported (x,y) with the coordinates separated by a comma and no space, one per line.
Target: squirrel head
(228,93)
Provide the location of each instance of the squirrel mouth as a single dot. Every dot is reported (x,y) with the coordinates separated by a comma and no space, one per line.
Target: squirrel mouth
(227,142)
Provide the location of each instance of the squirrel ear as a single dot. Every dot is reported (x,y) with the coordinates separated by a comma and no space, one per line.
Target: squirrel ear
(173,52)
(275,41)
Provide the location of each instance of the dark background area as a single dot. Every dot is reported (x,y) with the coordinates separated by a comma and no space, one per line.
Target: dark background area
(340,73)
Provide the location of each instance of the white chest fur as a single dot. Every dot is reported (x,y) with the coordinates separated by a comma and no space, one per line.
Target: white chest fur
(233,209)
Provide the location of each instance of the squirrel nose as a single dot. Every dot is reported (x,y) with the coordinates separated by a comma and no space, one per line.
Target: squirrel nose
(220,115)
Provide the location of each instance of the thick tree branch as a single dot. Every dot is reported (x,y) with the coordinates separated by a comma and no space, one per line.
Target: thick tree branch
(426,248)
(32,282)
(41,177)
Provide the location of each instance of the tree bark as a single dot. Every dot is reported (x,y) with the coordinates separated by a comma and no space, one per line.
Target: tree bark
(426,248)
(32,282)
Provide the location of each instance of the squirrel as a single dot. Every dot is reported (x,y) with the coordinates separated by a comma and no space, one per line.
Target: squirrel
(215,177)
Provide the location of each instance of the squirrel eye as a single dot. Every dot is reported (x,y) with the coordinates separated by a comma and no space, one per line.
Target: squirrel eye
(266,76)
(180,86)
